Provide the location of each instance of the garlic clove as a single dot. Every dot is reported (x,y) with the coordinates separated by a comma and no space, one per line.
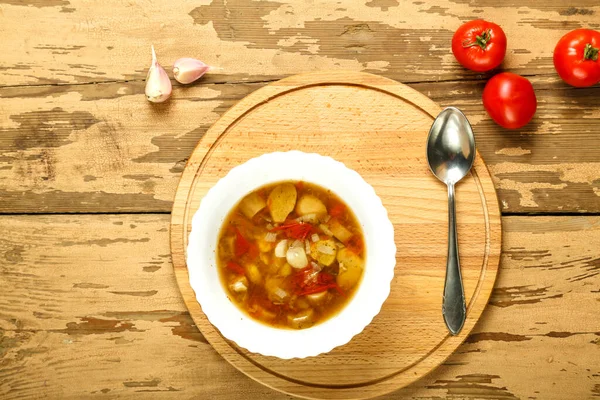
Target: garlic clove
(187,70)
(158,84)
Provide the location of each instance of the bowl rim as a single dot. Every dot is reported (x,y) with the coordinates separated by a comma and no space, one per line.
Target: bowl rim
(264,339)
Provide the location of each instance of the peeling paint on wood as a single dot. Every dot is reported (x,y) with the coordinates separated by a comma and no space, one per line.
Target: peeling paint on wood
(146,293)
(141,340)
(77,136)
(150,383)
(496,337)
(103,242)
(95,326)
(86,285)
(107,160)
(506,297)
(474,385)
(276,38)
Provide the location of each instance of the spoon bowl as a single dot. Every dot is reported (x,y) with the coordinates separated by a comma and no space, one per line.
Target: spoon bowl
(450,146)
(450,154)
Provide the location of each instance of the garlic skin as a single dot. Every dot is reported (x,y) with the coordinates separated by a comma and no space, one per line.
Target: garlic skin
(187,70)
(158,84)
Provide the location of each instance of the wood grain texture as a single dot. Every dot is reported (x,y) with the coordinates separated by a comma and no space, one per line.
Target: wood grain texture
(89,306)
(103,148)
(351,116)
(69,144)
(100,315)
(74,41)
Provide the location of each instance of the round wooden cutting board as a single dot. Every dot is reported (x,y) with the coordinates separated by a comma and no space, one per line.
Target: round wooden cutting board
(377,127)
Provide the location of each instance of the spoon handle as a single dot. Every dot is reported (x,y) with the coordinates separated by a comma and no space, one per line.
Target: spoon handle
(453,305)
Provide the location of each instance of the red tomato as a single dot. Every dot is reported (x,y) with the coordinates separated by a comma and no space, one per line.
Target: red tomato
(337,210)
(510,100)
(235,267)
(576,57)
(241,246)
(479,45)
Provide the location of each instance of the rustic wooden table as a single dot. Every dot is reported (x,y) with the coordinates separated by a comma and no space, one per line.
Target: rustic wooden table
(88,170)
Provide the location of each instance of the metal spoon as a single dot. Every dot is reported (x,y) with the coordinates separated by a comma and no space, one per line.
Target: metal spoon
(450,154)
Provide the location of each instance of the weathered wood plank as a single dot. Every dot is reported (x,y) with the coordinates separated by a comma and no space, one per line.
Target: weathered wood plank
(73,41)
(103,147)
(89,306)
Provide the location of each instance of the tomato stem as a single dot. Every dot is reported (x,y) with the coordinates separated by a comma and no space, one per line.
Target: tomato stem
(481,40)
(590,53)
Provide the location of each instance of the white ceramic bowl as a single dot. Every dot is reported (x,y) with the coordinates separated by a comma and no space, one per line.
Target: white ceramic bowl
(379,264)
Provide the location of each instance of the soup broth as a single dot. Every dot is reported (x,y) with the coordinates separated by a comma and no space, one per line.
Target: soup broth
(291,254)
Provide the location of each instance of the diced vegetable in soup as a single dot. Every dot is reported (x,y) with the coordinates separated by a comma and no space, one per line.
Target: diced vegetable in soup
(291,254)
